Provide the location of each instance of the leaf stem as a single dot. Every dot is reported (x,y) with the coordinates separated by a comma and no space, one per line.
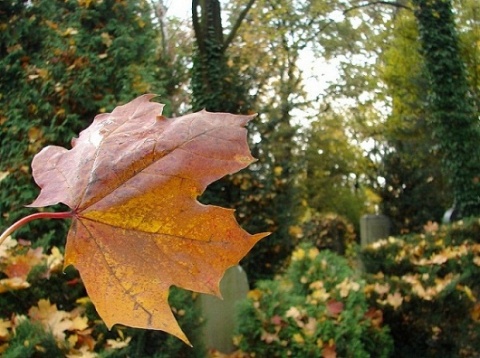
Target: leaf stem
(27,219)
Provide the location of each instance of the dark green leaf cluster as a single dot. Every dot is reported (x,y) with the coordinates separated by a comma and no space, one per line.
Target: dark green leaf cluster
(63,63)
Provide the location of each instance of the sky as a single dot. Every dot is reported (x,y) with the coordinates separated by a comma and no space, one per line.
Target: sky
(179,8)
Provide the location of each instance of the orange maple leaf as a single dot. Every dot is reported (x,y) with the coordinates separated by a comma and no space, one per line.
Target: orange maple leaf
(132,180)
(22,265)
(56,321)
(329,351)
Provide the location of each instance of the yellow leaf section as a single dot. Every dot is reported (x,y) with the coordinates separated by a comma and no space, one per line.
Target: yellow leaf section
(130,255)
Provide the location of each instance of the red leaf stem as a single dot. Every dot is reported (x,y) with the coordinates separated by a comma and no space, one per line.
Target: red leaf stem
(27,219)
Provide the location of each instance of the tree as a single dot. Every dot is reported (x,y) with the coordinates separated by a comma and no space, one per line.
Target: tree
(455,121)
(415,190)
(215,86)
(241,65)
(410,164)
(468,25)
(334,167)
(267,52)
(173,59)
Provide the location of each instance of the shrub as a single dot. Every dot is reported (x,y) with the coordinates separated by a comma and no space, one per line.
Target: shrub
(329,231)
(66,323)
(427,286)
(316,309)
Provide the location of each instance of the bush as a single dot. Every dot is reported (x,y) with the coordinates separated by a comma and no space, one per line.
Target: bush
(66,323)
(318,308)
(329,231)
(427,286)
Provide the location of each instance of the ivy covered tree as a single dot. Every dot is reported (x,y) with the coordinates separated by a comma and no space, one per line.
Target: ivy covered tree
(420,176)
(467,14)
(216,86)
(224,79)
(454,117)
(415,189)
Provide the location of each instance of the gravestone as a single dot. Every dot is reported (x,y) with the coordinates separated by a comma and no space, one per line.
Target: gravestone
(373,228)
(219,314)
(451,215)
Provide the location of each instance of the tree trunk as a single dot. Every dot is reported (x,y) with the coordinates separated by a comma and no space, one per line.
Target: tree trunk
(213,82)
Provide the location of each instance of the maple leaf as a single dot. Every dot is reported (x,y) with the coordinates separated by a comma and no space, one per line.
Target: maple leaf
(6,246)
(118,343)
(22,265)
(431,227)
(375,316)
(334,308)
(381,289)
(395,300)
(329,351)
(12,284)
(131,181)
(270,337)
(474,313)
(83,352)
(5,325)
(310,327)
(51,318)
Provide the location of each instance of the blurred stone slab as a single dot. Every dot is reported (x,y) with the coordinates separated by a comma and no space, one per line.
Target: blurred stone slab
(373,228)
(219,314)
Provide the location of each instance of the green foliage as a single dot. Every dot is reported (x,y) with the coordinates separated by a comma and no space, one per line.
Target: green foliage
(63,63)
(318,307)
(32,340)
(427,287)
(334,167)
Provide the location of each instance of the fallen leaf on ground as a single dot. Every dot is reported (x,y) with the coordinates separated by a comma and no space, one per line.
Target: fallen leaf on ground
(12,284)
(51,318)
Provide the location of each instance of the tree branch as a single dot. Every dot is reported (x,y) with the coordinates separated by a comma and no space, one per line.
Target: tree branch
(237,24)
(379,2)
